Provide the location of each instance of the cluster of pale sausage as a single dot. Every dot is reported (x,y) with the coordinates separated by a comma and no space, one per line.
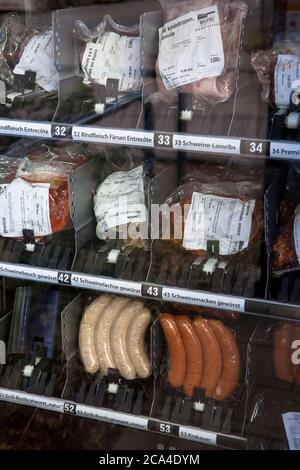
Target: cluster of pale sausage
(112,336)
(202,354)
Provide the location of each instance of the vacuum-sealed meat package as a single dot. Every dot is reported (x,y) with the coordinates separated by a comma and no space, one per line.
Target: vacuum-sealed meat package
(212,207)
(199,49)
(110,51)
(203,353)
(120,207)
(34,194)
(26,50)
(286,247)
(278,71)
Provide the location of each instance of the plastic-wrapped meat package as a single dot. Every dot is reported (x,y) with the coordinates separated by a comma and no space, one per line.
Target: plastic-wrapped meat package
(277,70)
(199,48)
(110,51)
(37,55)
(22,49)
(286,247)
(12,35)
(120,207)
(203,353)
(35,194)
(217,205)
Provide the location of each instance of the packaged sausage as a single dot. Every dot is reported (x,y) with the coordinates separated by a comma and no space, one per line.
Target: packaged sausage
(199,48)
(278,71)
(113,335)
(120,206)
(203,353)
(34,194)
(220,208)
(110,51)
(22,50)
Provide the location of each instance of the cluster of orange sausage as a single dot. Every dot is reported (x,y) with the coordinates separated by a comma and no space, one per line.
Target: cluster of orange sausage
(202,354)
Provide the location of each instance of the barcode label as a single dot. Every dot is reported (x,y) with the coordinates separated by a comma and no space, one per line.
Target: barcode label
(215,59)
(292,428)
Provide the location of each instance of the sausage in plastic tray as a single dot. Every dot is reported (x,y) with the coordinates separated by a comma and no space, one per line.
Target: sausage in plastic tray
(190,360)
(113,337)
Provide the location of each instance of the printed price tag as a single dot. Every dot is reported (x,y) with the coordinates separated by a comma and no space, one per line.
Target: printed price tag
(152,291)
(25,128)
(255,147)
(285,150)
(59,131)
(163,140)
(70,408)
(163,428)
(64,278)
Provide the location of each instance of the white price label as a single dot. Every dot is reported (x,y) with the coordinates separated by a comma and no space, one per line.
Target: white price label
(203,299)
(112,417)
(36,401)
(198,435)
(27,272)
(26,129)
(197,143)
(285,150)
(102,284)
(113,136)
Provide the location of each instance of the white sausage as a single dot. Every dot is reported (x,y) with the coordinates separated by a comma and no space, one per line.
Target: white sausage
(136,343)
(102,333)
(87,332)
(118,340)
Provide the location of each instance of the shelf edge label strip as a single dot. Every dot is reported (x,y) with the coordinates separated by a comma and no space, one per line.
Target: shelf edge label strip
(59,405)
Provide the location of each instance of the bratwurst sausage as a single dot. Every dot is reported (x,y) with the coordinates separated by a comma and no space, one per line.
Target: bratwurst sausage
(102,333)
(230,358)
(212,356)
(193,351)
(177,361)
(118,339)
(136,343)
(87,332)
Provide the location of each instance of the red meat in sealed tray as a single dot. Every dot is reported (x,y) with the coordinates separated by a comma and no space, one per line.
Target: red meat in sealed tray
(52,166)
(217,87)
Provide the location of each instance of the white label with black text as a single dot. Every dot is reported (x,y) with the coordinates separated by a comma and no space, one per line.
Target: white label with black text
(113,56)
(113,136)
(23,128)
(112,417)
(195,143)
(203,299)
(35,401)
(106,285)
(195,435)
(225,220)
(191,48)
(27,272)
(38,56)
(286,150)
(287,72)
(24,206)
(292,428)
(120,200)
